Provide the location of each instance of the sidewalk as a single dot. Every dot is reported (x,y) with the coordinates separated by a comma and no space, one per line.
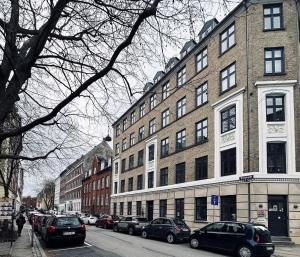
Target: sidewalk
(287,251)
(22,246)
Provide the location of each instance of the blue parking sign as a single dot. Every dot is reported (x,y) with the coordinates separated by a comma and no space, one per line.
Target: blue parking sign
(214,200)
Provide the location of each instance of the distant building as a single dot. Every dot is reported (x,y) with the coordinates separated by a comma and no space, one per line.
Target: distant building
(56,193)
(71,179)
(29,202)
(96,187)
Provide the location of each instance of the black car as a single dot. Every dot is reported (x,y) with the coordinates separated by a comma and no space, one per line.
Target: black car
(130,224)
(170,229)
(243,239)
(64,228)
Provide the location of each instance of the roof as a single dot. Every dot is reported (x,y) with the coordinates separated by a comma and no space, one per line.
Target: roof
(188,45)
(173,61)
(208,24)
(158,75)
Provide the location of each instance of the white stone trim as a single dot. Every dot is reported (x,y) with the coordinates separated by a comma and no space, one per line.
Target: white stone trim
(284,131)
(242,90)
(232,138)
(116,177)
(152,165)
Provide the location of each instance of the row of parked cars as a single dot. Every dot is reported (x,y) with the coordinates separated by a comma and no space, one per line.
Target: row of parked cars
(57,228)
(242,239)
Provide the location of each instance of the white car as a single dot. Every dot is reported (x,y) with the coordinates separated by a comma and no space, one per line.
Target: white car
(91,220)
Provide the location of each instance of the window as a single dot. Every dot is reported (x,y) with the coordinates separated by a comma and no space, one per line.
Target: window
(228,78)
(118,130)
(115,187)
(201,168)
(151,153)
(228,208)
(180,173)
(164,177)
(124,144)
(152,101)
(201,94)
(273,18)
(165,118)
(124,124)
(162,208)
(115,209)
(122,189)
(201,208)
(181,77)
(132,139)
(180,140)
(141,133)
(123,167)
(276,160)
(164,147)
(139,208)
(275,108)
(139,184)
(228,119)
(121,208)
(150,179)
(117,148)
(201,131)
(181,107)
(116,167)
(165,91)
(202,60)
(227,39)
(131,162)
(102,182)
(107,181)
(228,162)
(179,208)
(141,157)
(142,110)
(130,184)
(132,118)
(274,61)
(152,126)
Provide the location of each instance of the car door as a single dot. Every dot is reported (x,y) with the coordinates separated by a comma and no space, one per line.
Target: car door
(165,228)
(153,228)
(234,233)
(212,236)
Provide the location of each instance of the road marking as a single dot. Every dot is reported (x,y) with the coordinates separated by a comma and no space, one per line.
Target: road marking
(71,248)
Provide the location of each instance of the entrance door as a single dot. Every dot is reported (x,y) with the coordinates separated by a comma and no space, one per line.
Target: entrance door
(277,215)
(150,210)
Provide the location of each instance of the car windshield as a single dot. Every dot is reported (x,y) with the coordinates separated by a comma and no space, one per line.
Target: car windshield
(67,221)
(141,219)
(179,222)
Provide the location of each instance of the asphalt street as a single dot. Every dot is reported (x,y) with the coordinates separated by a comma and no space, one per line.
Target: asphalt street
(106,243)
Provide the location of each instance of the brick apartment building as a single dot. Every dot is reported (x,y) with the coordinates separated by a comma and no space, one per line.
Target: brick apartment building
(223,120)
(96,186)
(29,202)
(71,179)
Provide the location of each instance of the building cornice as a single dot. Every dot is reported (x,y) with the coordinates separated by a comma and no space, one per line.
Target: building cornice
(276,83)
(240,91)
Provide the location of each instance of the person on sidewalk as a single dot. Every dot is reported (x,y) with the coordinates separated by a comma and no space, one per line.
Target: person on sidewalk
(20,222)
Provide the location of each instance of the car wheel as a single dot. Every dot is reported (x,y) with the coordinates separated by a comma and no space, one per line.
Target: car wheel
(130,231)
(144,234)
(81,242)
(170,238)
(194,243)
(115,228)
(244,251)
(105,226)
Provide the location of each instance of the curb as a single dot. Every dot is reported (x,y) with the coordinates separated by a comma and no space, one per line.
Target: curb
(38,246)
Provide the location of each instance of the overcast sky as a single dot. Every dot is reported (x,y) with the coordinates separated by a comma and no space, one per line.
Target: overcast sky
(33,182)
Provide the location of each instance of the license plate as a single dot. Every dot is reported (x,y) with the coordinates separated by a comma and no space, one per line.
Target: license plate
(269,248)
(68,233)
(185,229)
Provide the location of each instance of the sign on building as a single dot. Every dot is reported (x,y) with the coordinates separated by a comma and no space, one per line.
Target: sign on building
(6,208)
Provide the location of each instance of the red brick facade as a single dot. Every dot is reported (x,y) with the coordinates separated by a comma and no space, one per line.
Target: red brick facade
(96,188)
(29,202)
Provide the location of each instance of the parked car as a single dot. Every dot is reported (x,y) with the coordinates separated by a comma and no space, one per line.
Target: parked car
(90,220)
(170,229)
(30,216)
(41,221)
(106,221)
(64,228)
(130,224)
(35,220)
(243,239)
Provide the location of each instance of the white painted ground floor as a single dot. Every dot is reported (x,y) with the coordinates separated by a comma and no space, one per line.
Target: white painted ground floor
(274,202)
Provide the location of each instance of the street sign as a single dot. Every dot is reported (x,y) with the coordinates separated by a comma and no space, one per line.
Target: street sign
(246,178)
(214,200)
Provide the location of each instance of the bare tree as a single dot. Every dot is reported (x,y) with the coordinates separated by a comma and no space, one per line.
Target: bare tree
(59,57)
(47,194)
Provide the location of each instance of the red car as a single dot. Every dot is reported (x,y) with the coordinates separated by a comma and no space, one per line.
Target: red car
(106,221)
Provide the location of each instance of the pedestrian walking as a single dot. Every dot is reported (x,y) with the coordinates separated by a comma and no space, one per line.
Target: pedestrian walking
(20,222)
